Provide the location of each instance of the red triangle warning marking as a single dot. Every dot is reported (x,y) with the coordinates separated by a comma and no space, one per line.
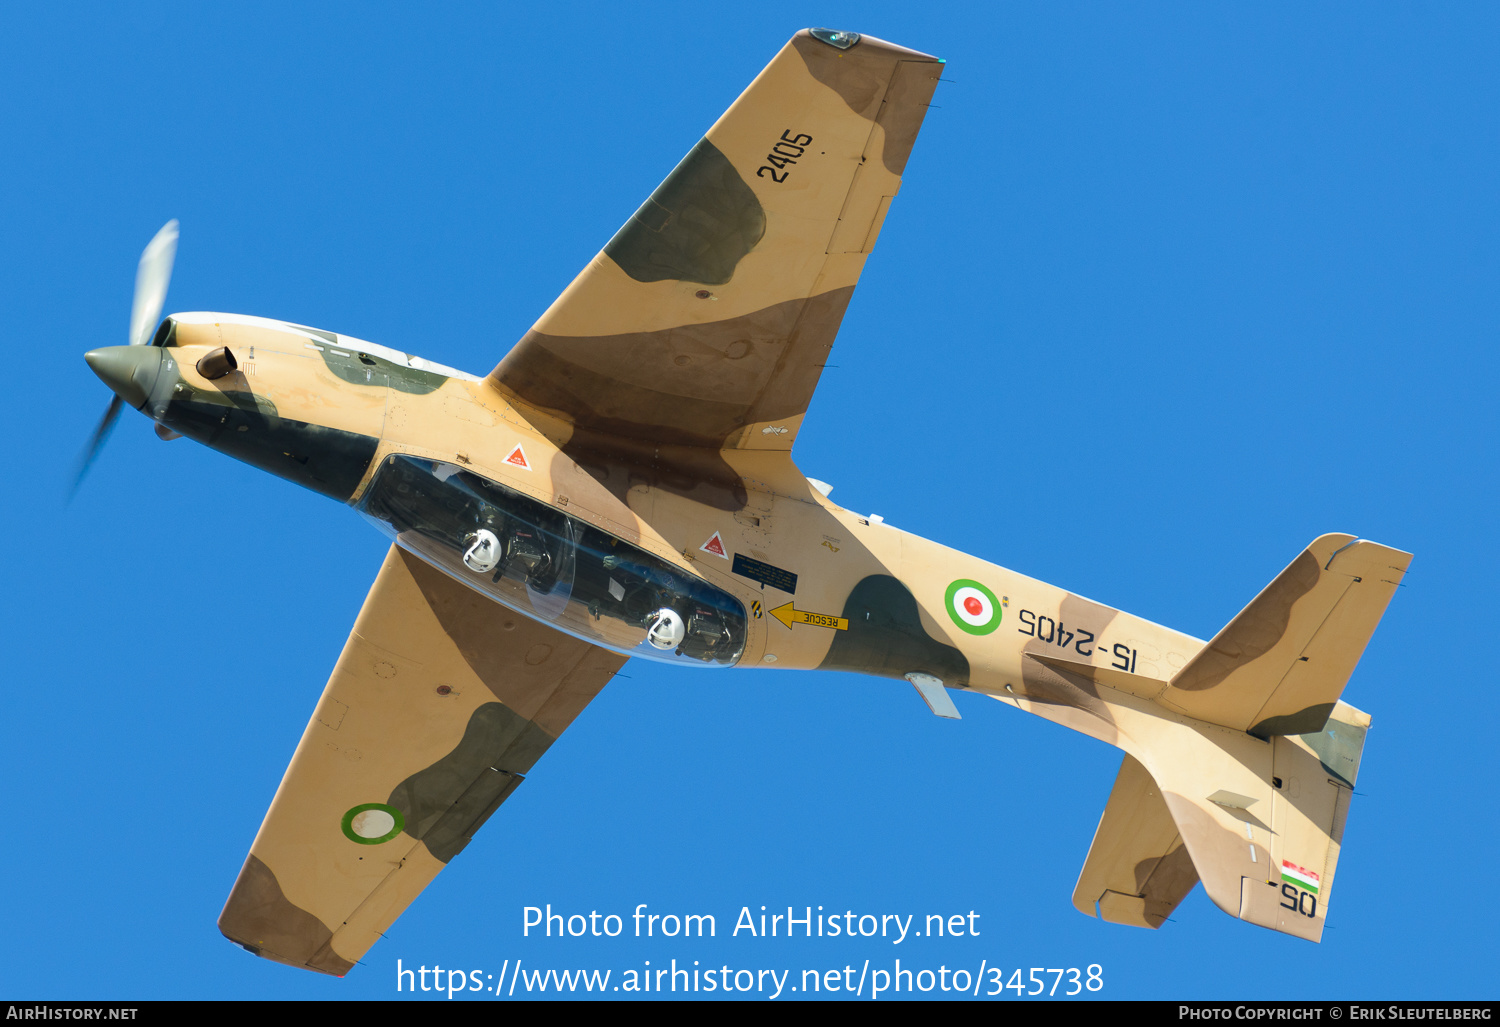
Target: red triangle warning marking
(518,458)
(714,545)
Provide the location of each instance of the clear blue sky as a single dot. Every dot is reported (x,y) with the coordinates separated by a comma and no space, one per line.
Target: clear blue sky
(1170,289)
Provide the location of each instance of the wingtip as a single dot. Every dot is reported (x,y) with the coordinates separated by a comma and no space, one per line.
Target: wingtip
(848,40)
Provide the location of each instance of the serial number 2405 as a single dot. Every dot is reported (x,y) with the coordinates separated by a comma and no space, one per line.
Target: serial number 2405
(1049,629)
(786,150)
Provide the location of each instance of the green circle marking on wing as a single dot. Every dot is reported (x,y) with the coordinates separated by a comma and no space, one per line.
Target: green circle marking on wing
(379,816)
(973,629)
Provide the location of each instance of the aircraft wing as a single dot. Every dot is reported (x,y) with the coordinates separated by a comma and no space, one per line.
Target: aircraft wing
(439,705)
(707,319)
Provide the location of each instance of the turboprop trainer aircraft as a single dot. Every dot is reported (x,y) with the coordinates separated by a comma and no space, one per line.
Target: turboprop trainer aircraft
(622,485)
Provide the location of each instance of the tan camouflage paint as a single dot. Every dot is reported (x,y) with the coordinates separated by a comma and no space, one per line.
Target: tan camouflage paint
(426,656)
(663,410)
(733,365)
(1137,869)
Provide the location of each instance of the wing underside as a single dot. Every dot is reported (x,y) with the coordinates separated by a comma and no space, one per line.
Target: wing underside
(439,705)
(707,319)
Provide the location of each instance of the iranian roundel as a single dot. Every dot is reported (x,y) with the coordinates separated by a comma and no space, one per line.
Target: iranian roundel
(973,607)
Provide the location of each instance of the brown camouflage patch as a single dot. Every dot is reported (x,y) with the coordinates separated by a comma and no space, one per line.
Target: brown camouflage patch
(696,227)
(1255,631)
(444,804)
(694,385)
(259,917)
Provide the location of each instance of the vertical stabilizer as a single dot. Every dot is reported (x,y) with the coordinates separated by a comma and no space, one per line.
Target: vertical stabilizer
(1138,869)
(1262,820)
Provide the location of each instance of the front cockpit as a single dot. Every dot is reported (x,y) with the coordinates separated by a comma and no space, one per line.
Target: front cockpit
(311,407)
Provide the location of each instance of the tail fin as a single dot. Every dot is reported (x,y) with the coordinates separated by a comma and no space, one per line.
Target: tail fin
(1280,665)
(1259,822)
(1256,786)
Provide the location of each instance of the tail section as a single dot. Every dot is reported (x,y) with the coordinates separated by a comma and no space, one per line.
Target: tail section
(1313,777)
(1259,822)
(1249,791)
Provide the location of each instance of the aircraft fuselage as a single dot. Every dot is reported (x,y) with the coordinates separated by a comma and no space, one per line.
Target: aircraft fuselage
(816,586)
(621,485)
(735,558)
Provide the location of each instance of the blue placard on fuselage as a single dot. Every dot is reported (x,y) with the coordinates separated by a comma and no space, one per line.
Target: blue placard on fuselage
(765,573)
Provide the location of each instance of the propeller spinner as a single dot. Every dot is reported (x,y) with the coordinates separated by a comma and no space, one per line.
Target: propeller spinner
(130,373)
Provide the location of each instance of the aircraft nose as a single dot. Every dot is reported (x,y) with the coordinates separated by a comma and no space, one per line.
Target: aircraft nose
(130,371)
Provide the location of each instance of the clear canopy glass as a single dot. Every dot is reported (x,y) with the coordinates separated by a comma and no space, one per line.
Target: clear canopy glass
(539,561)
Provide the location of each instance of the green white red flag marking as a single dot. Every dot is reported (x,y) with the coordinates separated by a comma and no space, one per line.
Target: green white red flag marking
(1303,878)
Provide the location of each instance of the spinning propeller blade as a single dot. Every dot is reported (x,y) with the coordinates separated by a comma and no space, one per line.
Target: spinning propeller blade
(151,279)
(95,444)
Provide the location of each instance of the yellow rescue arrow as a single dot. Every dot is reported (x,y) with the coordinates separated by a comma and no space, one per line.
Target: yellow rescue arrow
(790,615)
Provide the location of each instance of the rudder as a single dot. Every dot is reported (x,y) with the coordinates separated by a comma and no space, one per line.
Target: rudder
(1262,820)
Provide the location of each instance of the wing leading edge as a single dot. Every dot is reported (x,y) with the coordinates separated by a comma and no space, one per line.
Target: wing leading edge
(439,705)
(707,319)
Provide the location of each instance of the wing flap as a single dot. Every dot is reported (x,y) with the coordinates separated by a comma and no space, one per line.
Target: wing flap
(708,317)
(415,743)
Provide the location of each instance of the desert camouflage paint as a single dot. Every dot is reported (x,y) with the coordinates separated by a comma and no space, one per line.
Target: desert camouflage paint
(622,484)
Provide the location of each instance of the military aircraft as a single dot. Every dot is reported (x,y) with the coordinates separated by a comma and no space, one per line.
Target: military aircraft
(622,485)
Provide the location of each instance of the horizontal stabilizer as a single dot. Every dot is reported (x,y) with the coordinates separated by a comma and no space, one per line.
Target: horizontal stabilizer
(1136,684)
(1279,667)
(1137,869)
